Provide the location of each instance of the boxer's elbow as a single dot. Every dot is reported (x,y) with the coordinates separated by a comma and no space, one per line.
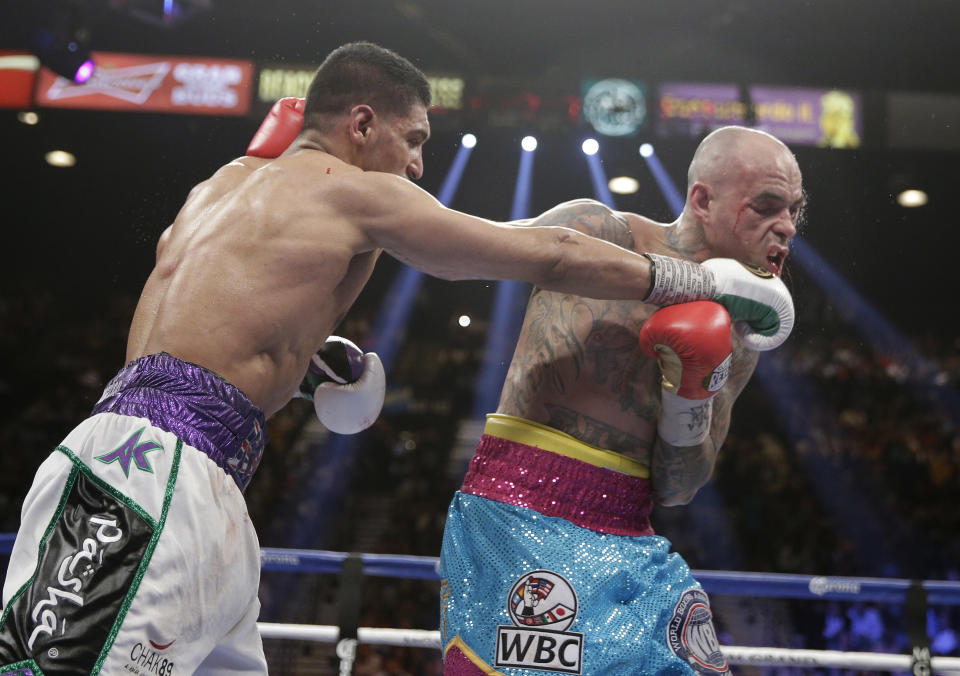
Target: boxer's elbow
(557,255)
(675,499)
(678,473)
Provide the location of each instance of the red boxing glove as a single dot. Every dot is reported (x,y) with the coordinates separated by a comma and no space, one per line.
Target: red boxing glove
(281,125)
(692,343)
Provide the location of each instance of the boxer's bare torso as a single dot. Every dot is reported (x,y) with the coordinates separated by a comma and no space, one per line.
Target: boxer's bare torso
(267,256)
(255,272)
(578,366)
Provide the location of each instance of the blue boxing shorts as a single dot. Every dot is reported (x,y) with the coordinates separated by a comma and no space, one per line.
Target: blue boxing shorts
(135,553)
(549,565)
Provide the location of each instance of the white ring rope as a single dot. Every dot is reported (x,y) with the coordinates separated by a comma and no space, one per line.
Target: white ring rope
(760,657)
(719,582)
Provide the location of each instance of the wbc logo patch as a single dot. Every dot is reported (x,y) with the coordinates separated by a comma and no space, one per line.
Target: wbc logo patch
(691,636)
(542,605)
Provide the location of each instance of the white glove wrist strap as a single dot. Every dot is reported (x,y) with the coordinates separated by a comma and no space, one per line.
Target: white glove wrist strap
(674,280)
(683,422)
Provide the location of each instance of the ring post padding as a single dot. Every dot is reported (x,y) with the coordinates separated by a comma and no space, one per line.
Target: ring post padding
(349,598)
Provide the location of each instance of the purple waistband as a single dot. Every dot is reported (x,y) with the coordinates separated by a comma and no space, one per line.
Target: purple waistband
(197,405)
(554,485)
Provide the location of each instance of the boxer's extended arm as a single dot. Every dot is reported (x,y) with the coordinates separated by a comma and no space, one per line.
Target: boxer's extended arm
(678,472)
(407,222)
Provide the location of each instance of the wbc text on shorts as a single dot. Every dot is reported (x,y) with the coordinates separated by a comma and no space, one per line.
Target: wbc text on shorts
(539,649)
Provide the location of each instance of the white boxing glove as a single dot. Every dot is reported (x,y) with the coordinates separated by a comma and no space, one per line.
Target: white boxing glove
(347,386)
(758,301)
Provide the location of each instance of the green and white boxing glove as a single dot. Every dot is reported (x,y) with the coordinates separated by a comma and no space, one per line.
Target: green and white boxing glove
(758,301)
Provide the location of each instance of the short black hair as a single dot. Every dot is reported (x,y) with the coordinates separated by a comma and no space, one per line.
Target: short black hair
(364,73)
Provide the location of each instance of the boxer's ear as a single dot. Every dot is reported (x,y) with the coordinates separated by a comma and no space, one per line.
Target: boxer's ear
(363,121)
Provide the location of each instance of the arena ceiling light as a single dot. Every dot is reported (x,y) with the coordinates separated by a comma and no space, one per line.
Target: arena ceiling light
(71,62)
(646,150)
(624,185)
(63,47)
(912,198)
(468,141)
(529,143)
(590,146)
(60,158)
(28,117)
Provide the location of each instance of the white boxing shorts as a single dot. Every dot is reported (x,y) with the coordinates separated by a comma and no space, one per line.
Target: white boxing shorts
(135,553)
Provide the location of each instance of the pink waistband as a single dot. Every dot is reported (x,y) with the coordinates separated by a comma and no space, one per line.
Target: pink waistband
(593,497)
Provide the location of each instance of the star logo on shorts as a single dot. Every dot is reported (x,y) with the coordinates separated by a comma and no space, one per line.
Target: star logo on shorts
(131,450)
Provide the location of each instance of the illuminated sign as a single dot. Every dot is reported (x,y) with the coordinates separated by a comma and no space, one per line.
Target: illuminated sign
(17,73)
(615,107)
(818,117)
(446,92)
(154,83)
(277,82)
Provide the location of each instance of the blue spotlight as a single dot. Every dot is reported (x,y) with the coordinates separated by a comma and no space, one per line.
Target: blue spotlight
(671,193)
(390,326)
(795,401)
(508,307)
(874,327)
(601,186)
(326,469)
(590,146)
(521,192)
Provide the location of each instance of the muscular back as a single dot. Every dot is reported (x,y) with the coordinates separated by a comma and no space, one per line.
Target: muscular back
(254,273)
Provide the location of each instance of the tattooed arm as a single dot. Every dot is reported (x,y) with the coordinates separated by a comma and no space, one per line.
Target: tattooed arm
(589,217)
(678,472)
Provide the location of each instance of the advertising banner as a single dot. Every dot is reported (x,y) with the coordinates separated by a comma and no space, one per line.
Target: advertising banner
(817,117)
(172,84)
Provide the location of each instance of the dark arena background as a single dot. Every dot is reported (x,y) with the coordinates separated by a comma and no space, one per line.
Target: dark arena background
(843,458)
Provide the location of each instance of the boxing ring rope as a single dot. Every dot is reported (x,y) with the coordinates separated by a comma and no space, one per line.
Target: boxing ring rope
(766,585)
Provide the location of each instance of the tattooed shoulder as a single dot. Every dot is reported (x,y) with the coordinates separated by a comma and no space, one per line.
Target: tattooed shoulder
(591,218)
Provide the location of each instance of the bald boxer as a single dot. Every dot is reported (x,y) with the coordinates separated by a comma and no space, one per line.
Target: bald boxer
(549,562)
(135,552)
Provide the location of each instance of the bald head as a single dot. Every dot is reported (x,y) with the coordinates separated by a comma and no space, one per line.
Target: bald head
(729,153)
(745,198)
